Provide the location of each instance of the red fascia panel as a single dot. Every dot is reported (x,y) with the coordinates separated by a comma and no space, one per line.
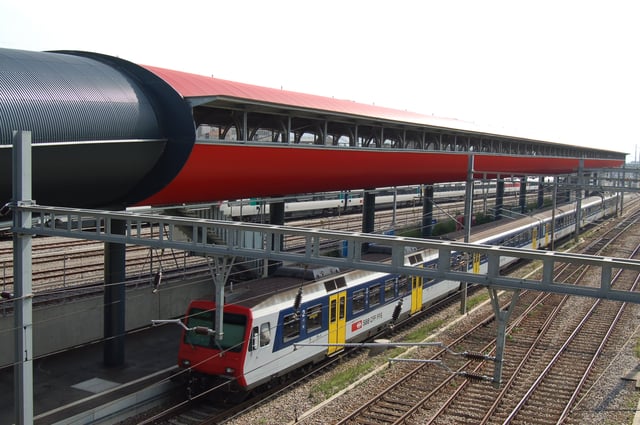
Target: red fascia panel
(216,172)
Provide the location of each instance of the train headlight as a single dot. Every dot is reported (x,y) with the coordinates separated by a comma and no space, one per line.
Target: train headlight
(229,370)
(186,363)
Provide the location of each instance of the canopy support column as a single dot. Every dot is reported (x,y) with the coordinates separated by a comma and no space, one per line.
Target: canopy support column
(427,211)
(276,216)
(468,216)
(368,214)
(540,192)
(523,195)
(579,194)
(499,198)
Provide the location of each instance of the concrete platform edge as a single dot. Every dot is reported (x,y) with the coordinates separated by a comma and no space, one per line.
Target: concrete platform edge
(122,408)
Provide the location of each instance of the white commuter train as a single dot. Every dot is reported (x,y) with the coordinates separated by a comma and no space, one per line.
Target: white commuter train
(334,203)
(263,319)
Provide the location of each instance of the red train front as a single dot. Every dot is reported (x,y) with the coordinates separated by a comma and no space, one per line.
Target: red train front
(206,356)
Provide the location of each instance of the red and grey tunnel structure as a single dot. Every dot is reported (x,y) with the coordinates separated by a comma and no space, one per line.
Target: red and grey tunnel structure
(109,134)
(105,132)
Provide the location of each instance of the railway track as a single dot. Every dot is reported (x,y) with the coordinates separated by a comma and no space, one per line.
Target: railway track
(553,344)
(385,220)
(60,263)
(485,324)
(392,406)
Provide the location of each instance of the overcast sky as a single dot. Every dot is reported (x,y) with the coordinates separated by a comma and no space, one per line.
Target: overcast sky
(564,71)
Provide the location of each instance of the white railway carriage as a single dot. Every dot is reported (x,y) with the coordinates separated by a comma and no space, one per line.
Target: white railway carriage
(263,319)
(332,203)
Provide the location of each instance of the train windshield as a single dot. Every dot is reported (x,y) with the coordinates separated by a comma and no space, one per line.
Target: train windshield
(234,330)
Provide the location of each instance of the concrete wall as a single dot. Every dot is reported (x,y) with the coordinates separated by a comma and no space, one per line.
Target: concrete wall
(58,326)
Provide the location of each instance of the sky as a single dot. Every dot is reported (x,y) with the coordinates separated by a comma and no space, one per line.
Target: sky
(560,71)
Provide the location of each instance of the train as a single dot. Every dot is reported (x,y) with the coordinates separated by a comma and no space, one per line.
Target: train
(265,319)
(347,202)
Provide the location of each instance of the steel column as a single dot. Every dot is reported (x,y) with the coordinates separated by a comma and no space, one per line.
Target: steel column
(554,204)
(427,211)
(499,198)
(579,199)
(540,192)
(276,216)
(522,202)
(23,369)
(502,317)
(220,267)
(622,191)
(468,216)
(368,214)
(114,297)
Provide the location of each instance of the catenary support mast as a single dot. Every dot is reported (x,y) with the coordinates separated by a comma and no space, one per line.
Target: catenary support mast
(23,370)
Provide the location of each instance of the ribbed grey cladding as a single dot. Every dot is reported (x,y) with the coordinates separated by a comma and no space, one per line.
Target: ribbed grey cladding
(105,132)
(70,98)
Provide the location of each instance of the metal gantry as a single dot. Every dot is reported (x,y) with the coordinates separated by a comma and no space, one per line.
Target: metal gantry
(97,225)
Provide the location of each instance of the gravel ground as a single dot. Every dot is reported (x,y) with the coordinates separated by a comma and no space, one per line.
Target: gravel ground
(610,399)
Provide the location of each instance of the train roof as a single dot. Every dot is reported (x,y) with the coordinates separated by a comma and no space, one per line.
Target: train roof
(283,286)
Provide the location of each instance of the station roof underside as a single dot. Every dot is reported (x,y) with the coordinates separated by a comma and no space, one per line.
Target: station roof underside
(238,111)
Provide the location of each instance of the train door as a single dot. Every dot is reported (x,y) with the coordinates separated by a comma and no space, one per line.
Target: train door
(337,321)
(476,262)
(416,294)
(534,238)
(546,233)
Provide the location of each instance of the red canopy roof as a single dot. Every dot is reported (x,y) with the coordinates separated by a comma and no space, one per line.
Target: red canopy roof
(193,85)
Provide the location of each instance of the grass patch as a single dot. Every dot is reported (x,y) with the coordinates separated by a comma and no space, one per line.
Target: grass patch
(422,333)
(343,379)
(477,299)
(636,349)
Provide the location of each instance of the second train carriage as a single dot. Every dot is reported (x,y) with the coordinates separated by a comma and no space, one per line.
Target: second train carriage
(334,203)
(263,320)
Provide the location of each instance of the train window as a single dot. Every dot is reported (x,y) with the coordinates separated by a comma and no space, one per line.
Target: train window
(374,295)
(234,330)
(358,301)
(253,342)
(332,285)
(291,327)
(403,287)
(199,317)
(332,311)
(234,326)
(265,334)
(314,318)
(415,259)
(389,289)
(343,310)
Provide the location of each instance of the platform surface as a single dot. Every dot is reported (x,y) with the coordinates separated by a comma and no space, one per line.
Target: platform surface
(71,377)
